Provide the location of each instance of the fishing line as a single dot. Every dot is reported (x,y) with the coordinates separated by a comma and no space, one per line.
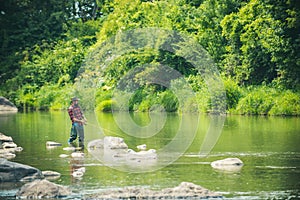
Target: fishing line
(104,129)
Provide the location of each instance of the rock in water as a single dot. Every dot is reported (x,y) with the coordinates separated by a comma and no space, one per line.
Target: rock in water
(185,190)
(111,143)
(63,155)
(51,175)
(77,174)
(8,147)
(141,158)
(69,148)
(142,147)
(14,172)
(51,143)
(77,155)
(7,106)
(4,138)
(42,189)
(228,164)
(95,144)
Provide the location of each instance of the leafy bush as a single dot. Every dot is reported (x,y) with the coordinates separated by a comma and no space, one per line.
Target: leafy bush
(102,95)
(145,105)
(288,103)
(258,101)
(233,94)
(136,100)
(106,106)
(54,97)
(169,101)
(203,98)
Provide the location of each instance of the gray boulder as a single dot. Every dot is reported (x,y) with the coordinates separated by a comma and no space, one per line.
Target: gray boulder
(42,189)
(7,106)
(15,172)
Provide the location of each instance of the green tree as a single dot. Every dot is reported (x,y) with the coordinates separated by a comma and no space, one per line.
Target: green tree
(263,44)
(25,24)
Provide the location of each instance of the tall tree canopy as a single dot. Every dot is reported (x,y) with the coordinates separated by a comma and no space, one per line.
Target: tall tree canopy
(25,24)
(43,43)
(263,42)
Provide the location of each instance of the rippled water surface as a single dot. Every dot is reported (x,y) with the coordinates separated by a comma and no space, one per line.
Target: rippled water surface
(268,146)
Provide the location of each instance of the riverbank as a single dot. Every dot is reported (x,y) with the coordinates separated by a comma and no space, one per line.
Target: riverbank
(254,100)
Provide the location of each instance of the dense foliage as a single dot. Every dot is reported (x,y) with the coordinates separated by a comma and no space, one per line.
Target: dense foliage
(255,45)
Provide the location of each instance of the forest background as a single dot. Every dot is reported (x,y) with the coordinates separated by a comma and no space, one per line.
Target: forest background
(254,43)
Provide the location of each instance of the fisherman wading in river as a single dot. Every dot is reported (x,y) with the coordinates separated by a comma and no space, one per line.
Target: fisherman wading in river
(78,121)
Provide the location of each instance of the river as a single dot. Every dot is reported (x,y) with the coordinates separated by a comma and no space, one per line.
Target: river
(268,146)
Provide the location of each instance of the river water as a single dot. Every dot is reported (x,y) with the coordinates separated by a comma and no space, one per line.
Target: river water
(268,146)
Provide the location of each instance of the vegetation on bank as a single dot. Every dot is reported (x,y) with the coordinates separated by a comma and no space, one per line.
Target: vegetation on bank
(255,45)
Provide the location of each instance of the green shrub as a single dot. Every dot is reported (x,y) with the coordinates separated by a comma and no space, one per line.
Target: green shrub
(190,105)
(145,105)
(258,101)
(106,106)
(233,94)
(169,101)
(288,103)
(102,95)
(136,100)
(202,99)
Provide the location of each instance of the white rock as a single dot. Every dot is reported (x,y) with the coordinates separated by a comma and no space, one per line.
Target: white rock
(114,143)
(77,155)
(51,175)
(144,155)
(63,155)
(7,145)
(69,148)
(95,144)
(51,143)
(77,174)
(142,147)
(81,169)
(4,138)
(18,149)
(228,164)
(7,155)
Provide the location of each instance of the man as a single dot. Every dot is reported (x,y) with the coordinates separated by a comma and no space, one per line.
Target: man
(78,120)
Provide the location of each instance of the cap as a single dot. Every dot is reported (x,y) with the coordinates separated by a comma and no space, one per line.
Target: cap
(75,99)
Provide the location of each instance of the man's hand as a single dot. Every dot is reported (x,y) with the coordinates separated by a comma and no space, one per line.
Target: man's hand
(84,121)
